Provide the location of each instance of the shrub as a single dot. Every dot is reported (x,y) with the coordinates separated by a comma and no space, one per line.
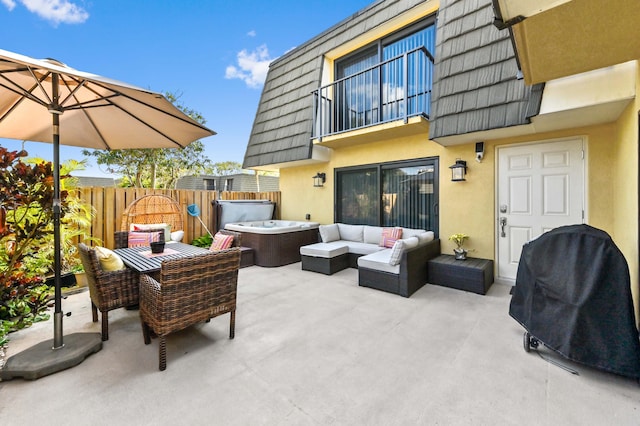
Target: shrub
(26,200)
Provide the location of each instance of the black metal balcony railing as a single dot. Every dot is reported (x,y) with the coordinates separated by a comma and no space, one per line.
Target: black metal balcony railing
(397,88)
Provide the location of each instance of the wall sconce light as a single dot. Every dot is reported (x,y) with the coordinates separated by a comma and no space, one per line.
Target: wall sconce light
(319,179)
(458,171)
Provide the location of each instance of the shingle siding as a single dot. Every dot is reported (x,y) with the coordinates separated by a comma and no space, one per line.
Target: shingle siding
(241,182)
(283,123)
(475,86)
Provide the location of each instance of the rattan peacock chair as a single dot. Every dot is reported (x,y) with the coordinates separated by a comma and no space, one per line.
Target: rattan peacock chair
(147,210)
(153,208)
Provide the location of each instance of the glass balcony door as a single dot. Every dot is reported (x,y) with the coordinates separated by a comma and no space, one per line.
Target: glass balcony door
(388,80)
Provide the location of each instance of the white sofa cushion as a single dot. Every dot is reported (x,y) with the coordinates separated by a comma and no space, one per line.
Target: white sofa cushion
(379,261)
(372,234)
(399,248)
(362,248)
(327,250)
(408,232)
(426,237)
(351,232)
(329,233)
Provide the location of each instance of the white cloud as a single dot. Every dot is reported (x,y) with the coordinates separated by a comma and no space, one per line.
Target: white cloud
(252,67)
(9,3)
(252,33)
(56,11)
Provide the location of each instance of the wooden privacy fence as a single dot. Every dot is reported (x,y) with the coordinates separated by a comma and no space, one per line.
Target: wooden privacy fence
(110,203)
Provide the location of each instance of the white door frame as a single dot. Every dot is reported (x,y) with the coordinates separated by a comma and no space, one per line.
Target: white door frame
(496,230)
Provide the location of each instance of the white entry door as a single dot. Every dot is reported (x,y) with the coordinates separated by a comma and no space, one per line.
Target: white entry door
(540,187)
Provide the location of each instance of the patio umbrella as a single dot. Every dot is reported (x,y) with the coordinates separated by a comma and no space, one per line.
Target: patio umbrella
(47,101)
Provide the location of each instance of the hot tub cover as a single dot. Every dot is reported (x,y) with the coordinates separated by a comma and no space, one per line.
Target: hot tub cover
(573,294)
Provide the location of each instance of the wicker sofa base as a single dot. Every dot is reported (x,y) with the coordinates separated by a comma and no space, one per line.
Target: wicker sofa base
(325,265)
(413,274)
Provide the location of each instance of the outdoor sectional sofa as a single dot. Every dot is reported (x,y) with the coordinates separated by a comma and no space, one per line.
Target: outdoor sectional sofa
(400,269)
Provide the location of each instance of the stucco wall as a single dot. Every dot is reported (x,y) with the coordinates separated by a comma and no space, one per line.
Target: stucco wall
(624,172)
(469,206)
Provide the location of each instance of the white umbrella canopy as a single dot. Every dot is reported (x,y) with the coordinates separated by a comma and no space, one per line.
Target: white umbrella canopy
(47,101)
(97,112)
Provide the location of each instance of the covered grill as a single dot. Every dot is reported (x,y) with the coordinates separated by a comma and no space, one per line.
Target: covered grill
(573,294)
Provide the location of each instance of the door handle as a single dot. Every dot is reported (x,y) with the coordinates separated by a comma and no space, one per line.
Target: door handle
(503,224)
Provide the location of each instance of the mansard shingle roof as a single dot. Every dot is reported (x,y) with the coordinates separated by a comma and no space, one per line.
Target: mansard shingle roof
(282,126)
(475,84)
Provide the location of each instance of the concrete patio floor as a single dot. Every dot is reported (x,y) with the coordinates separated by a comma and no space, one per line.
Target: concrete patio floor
(315,350)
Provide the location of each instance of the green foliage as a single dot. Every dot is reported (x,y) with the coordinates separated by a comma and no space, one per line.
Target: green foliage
(75,225)
(204,241)
(224,168)
(26,196)
(26,231)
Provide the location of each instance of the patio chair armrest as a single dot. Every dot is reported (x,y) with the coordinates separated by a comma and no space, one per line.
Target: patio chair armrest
(150,296)
(120,286)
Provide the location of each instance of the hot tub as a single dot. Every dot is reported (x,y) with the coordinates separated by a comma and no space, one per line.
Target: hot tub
(276,242)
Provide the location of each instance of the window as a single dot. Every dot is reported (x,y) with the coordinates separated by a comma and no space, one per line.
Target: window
(387,80)
(389,194)
(228,184)
(210,184)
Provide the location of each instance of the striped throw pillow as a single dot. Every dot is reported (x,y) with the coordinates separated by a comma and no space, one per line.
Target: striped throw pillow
(389,236)
(138,239)
(221,242)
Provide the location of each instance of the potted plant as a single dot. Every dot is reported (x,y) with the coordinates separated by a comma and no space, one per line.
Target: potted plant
(460,252)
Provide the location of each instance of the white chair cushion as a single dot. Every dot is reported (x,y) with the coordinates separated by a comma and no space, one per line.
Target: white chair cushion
(408,232)
(426,237)
(362,248)
(372,234)
(399,248)
(351,232)
(378,261)
(329,233)
(326,250)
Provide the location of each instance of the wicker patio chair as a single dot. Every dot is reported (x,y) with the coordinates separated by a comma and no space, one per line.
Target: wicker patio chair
(108,290)
(153,208)
(191,290)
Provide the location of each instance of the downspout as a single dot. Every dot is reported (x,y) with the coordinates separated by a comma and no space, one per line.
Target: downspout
(500,24)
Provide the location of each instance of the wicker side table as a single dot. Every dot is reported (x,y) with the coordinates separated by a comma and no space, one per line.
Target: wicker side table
(475,275)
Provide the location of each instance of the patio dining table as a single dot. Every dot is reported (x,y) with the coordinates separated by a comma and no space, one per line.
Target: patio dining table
(142,260)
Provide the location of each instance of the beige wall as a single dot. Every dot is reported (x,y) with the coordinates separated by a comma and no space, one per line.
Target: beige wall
(624,152)
(469,207)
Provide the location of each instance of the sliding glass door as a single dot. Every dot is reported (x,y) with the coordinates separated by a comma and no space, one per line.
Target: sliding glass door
(389,194)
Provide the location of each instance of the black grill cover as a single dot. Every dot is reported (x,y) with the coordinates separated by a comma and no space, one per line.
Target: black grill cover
(573,294)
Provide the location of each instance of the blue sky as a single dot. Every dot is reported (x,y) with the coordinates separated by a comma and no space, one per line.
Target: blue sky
(214,53)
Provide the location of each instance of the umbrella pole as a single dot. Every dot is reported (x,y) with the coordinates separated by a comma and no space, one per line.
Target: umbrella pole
(43,359)
(57,264)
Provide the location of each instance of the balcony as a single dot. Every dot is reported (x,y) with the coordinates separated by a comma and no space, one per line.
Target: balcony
(396,89)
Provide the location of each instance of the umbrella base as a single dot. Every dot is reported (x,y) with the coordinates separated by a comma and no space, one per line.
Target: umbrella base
(41,360)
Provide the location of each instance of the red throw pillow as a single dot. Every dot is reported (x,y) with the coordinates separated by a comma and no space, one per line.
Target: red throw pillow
(389,236)
(221,242)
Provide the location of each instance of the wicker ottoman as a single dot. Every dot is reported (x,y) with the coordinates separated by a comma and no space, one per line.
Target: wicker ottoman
(326,258)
